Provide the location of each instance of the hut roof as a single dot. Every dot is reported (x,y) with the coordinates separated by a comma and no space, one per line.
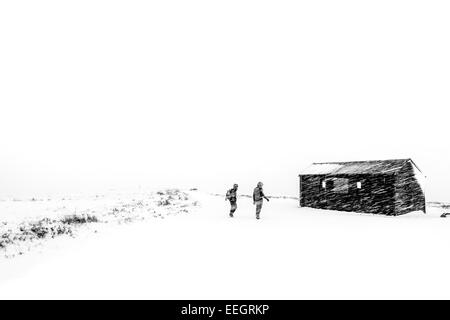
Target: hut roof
(357,167)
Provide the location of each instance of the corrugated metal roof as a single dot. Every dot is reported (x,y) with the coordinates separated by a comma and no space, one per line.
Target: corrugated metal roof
(357,167)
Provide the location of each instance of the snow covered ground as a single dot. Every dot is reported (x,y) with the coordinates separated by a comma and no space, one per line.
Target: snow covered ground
(26,224)
(201,253)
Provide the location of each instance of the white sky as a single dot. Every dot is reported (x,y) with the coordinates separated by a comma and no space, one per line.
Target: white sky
(97,94)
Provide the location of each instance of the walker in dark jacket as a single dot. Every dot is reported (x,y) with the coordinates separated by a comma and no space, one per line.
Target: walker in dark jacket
(258,196)
(232,197)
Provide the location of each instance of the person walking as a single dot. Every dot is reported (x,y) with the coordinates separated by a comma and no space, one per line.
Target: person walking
(258,196)
(232,197)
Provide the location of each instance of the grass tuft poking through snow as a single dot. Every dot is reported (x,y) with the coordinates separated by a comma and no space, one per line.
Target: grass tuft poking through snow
(79,219)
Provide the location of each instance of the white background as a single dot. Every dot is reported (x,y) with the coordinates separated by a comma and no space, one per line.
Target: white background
(98,94)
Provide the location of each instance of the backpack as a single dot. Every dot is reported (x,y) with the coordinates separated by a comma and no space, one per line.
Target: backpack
(231,195)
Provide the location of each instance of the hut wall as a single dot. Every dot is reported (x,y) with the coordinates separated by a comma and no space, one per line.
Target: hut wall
(377,193)
(409,195)
(310,191)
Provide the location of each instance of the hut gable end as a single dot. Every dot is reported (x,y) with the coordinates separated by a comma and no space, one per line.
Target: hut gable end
(409,194)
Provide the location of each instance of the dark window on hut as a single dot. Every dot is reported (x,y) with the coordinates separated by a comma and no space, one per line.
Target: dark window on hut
(336,185)
(341,185)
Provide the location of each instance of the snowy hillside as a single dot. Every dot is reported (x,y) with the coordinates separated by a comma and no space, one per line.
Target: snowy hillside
(201,253)
(25,224)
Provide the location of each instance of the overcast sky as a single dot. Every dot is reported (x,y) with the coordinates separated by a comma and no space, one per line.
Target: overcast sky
(98,94)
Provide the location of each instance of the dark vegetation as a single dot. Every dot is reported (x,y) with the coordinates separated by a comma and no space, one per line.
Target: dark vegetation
(44,228)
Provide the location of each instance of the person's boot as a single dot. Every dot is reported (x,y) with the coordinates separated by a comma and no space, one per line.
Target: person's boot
(231,215)
(257,217)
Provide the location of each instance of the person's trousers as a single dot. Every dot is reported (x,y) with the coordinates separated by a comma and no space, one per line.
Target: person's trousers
(258,207)
(233,206)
